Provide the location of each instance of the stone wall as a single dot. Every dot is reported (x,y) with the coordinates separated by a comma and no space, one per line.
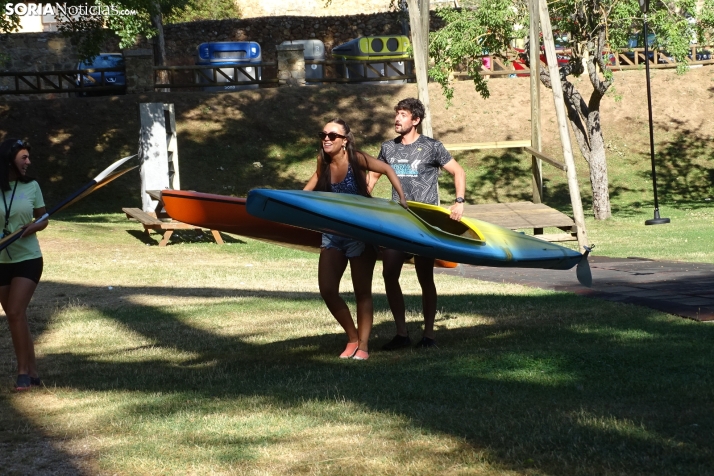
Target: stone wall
(41,52)
(23,52)
(182,39)
(50,51)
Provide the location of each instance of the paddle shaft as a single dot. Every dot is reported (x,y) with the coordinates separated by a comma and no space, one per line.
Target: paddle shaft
(14,236)
(107,175)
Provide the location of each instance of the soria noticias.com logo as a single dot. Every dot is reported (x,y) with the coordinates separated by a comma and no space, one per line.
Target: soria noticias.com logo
(62,9)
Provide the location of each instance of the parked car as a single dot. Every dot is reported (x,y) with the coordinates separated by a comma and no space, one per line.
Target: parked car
(701,55)
(94,79)
(561,55)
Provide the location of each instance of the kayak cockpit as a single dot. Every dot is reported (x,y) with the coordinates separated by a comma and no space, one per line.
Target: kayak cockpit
(439,218)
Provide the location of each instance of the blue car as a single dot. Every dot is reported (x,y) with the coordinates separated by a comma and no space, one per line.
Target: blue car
(701,55)
(106,78)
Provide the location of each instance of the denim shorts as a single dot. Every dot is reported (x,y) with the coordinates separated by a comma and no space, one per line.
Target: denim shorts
(349,246)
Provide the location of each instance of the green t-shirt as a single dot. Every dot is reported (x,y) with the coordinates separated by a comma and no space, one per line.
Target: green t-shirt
(28,197)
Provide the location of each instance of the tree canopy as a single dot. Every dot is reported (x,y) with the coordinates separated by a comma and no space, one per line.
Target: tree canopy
(90,32)
(588,28)
(8,23)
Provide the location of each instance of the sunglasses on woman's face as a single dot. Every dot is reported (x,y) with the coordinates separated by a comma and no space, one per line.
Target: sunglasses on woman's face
(19,145)
(331,135)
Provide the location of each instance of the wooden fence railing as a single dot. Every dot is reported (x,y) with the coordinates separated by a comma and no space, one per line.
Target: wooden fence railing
(357,71)
(204,76)
(360,71)
(619,60)
(330,71)
(67,81)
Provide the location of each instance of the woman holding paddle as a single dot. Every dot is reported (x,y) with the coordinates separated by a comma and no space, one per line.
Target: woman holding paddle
(343,169)
(21,262)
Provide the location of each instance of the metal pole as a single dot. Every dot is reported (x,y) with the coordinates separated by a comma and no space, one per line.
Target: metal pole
(656,220)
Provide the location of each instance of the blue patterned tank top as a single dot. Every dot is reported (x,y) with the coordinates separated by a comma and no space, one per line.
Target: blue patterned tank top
(348,184)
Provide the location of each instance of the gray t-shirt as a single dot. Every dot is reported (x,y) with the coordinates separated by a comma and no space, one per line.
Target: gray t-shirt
(417,165)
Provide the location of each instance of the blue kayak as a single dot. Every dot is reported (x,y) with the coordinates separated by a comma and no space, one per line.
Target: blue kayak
(424,230)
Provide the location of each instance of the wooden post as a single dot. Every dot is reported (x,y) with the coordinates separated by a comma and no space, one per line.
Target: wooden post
(419,21)
(534,54)
(573,187)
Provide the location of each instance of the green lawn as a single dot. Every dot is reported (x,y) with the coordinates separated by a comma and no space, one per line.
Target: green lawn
(207,359)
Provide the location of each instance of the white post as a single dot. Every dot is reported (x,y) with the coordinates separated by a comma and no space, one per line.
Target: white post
(158,151)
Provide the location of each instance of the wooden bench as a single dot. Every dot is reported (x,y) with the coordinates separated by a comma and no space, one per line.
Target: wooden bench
(521,215)
(166,228)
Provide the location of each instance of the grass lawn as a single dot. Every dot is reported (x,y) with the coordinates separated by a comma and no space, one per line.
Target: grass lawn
(206,359)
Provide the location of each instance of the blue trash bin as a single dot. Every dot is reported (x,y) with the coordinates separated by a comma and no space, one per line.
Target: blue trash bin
(314,50)
(229,54)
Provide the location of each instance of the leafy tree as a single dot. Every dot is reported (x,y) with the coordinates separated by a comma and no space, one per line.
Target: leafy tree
(591,26)
(197,10)
(90,32)
(8,23)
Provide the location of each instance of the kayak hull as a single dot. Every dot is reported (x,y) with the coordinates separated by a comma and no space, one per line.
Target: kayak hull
(229,214)
(424,230)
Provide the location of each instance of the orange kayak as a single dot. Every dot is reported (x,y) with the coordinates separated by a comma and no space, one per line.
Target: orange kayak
(229,214)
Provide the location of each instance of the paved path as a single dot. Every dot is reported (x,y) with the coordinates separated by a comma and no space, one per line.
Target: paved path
(683,289)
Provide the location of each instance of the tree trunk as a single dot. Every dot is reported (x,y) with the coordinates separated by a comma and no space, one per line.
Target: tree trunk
(159,41)
(159,45)
(598,167)
(585,123)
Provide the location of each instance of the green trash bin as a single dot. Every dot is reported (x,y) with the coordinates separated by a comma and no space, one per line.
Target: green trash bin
(379,48)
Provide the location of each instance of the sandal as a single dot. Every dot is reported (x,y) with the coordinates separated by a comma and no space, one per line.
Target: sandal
(23,382)
(361,355)
(350,350)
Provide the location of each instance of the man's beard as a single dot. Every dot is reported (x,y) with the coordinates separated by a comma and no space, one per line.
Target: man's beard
(405,130)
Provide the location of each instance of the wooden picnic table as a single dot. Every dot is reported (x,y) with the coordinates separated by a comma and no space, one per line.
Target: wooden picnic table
(523,215)
(160,222)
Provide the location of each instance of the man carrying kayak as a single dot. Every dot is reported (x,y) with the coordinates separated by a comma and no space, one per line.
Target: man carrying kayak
(417,160)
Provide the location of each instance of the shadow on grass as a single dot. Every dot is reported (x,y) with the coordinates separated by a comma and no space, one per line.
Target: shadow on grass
(685,165)
(564,384)
(229,143)
(181,236)
(557,195)
(27,449)
(505,176)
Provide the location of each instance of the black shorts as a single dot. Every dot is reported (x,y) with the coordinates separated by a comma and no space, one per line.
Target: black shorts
(30,269)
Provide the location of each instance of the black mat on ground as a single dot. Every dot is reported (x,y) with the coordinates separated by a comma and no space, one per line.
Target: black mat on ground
(683,289)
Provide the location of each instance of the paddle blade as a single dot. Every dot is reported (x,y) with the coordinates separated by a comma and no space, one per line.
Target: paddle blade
(104,177)
(104,173)
(107,179)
